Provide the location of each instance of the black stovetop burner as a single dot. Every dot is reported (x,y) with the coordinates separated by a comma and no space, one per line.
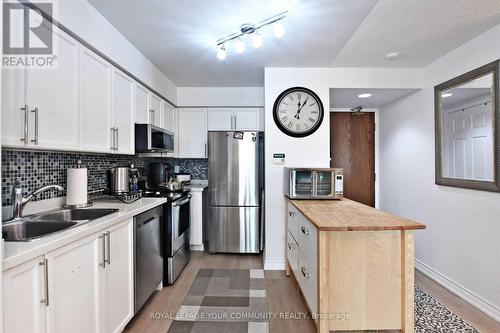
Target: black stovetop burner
(171,196)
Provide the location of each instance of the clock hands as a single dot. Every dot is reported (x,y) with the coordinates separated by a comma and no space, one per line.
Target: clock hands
(300,108)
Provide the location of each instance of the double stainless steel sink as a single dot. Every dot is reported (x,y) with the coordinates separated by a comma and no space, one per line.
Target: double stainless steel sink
(43,224)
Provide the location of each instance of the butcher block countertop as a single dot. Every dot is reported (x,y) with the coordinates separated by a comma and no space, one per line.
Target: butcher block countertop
(348,215)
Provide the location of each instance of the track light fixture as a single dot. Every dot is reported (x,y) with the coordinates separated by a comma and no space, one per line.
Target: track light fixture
(253,31)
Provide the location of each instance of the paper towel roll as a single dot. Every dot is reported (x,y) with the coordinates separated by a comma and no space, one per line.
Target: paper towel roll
(76,186)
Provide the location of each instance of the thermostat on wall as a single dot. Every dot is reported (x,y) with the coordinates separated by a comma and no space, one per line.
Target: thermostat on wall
(279,158)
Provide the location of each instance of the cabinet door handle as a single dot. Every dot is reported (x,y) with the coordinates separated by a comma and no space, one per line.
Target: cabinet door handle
(108,248)
(291,246)
(112,138)
(35,141)
(305,231)
(26,110)
(45,264)
(235,125)
(304,271)
(103,243)
(206,153)
(117,142)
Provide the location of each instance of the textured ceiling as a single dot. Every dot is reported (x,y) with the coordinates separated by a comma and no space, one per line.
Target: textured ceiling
(179,36)
(419,30)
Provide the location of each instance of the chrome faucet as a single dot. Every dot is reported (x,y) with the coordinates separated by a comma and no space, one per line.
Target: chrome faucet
(18,201)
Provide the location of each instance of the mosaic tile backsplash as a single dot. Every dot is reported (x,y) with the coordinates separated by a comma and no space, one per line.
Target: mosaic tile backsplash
(34,169)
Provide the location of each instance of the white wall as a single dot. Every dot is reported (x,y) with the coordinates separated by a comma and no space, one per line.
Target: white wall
(86,22)
(314,150)
(460,247)
(220,96)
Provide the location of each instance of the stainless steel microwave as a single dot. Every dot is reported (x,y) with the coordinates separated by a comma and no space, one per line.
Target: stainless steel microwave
(153,139)
(314,183)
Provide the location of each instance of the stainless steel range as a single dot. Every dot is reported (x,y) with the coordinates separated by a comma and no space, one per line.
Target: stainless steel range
(175,231)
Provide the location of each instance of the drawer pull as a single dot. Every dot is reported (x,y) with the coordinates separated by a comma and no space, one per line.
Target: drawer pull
(292,214)
(305,231)
(304,271)
(291,246)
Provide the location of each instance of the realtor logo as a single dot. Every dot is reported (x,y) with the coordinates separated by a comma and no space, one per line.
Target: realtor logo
(27,35)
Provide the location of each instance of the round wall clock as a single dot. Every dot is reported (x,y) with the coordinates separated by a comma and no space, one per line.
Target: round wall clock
(298,112)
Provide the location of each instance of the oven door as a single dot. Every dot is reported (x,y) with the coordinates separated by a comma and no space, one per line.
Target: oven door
(181,222)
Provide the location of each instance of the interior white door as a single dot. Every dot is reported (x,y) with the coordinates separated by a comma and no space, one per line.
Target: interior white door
(118,283)
(220,119)
(123,113)
(74,275)
(469,143)
(156,112)
(168,116)
(246,119)
(14,117)
(23,293)
(141,102)
(192,133)
(95,103)
(52,96)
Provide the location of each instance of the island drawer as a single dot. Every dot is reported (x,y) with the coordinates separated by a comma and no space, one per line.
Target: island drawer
(308,240)
(308,280)
(292,253)
(292,216)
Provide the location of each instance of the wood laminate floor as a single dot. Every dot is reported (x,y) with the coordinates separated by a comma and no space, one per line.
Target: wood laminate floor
(282,297)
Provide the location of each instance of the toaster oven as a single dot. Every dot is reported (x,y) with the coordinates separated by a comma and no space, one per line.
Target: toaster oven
(314,183)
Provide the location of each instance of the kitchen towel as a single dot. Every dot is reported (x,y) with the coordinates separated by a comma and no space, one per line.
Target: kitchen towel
(77,186)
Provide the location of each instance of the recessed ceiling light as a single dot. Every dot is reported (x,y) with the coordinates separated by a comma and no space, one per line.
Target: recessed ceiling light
(444,95)
(364,95)
(391,55)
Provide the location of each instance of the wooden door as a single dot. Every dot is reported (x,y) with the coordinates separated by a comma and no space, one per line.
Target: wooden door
(352,147)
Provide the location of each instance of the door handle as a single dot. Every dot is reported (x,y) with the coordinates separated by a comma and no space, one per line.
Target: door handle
(45,264)
(35,141)
(26,110)
(103,243)
(305,231)
(291,247)
(304,271)
(108,248)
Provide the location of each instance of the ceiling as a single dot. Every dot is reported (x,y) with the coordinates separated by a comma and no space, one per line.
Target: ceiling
(179,37)
(419,30)
(346,98)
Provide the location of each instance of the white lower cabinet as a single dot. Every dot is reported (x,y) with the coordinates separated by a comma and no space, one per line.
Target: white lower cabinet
(86,286)
(24,310)
(118,278)
(74,287)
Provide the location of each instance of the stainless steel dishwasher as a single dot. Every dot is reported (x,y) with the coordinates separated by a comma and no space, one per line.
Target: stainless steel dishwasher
(148,263)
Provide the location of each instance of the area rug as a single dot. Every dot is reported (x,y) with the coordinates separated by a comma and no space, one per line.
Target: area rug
(431,316)
(224,301)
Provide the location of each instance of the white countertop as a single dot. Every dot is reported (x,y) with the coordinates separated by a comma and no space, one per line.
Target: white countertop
(197,185)
(16,253)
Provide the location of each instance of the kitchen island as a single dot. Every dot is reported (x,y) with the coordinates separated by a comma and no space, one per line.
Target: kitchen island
(353,264)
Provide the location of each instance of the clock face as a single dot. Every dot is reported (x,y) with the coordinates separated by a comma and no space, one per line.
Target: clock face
(298,112)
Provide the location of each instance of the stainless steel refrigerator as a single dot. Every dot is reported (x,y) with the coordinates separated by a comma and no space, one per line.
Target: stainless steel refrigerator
(235,190)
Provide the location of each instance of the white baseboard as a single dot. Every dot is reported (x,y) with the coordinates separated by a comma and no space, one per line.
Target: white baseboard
(274,265)
(197,247)
(477,301)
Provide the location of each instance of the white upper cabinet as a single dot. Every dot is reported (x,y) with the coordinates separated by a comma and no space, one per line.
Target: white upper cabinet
(229,119)
(247,119)
(123,114)
(156,117)
(168,116)
(24,298)
(141,102)
(192,133)
(74,275)
(95,103)
(53,97)
(220,119)
(15,114)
